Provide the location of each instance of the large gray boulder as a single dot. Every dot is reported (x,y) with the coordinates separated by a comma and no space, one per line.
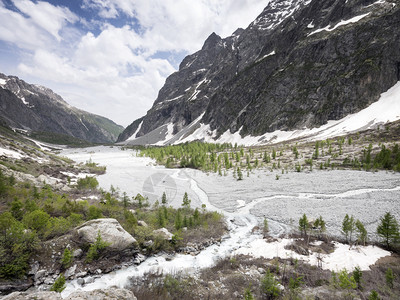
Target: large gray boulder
(33,296)
(163,233)
(101,294)
(110,230)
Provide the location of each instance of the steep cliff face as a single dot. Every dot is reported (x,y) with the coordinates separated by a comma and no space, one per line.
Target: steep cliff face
(299,64)
(39,109)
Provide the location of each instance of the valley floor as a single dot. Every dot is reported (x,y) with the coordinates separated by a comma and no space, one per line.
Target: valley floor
(329,193)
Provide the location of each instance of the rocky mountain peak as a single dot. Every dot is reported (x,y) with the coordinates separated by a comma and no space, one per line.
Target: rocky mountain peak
(299,64)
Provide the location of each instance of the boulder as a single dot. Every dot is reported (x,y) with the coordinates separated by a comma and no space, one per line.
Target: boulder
(39,276)
(33,296)
(142,223)
(164,233)
(110,230)
(103,294)
(70,272)
(77,253)
(100,294)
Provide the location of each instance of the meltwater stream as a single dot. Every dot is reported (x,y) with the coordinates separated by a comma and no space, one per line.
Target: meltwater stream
(244,204)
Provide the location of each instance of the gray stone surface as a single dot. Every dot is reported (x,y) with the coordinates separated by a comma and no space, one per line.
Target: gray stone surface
(110,230)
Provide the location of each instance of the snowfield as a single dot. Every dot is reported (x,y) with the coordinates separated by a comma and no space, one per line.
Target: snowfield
(331,194)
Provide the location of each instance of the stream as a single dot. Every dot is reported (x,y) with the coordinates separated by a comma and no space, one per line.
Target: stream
(244,203)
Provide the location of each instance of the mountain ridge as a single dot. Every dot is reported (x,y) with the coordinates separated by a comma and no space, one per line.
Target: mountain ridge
(36,108)
(299,64)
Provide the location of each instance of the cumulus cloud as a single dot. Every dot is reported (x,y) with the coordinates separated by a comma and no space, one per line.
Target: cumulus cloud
(116,71)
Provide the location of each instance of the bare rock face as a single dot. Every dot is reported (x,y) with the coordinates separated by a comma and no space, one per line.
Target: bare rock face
(101,294)
(299,64)
(110,230)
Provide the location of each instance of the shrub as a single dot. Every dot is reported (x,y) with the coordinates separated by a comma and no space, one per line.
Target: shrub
(270,286)
(59,284)
(96,249)
(66,259)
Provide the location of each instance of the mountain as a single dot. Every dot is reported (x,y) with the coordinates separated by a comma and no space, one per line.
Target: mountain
(40,111)
(300,64)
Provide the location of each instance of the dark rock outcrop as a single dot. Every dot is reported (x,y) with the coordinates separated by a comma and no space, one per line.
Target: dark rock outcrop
(299,64)
(38,109)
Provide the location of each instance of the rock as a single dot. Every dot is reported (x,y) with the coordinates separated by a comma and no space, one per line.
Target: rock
(164,233)
(33,296)
(148,243)
(80,281)
(89,280)
(81,274)
(261,270)
(132,211)
(100,294)
(142,223)
(139,259)
(34,268)
(70,272)
(39,276)
(49,281)
(103,294)
(77,253)
(110,230)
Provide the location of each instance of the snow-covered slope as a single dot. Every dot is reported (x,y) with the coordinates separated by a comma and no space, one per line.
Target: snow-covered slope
(386,109)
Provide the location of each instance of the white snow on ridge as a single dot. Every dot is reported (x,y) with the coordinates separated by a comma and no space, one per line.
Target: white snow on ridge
(3,81)
(133,136)
(341,23)
(265,56)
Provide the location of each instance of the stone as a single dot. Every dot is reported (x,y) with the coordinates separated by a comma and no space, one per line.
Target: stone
(39,276)
(77,253)
(148,243)
(110,230)
(33,296)
(103,294)
(142,223)
(34,268)
(70,272)
(89,280)
(164,233)
(80,281)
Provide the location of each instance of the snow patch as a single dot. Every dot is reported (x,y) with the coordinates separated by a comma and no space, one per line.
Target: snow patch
(83,124)
(311,25)
(133,136)
(10,153)
(343,257)
(3,81)
(196,90)
(341,23)
(265,56)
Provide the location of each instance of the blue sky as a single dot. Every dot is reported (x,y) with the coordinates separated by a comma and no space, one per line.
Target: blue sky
(111,57)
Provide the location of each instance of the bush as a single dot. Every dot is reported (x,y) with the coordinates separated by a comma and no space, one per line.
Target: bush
(36,220)
(59,284)
(96,249)
(66,259)
(270,286)
(87,183)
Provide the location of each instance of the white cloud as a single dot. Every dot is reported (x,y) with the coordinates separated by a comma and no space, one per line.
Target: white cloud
(114,73)
(46,16)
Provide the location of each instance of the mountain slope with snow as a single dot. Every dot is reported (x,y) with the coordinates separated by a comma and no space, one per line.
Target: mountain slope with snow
(36,108)
(300,64)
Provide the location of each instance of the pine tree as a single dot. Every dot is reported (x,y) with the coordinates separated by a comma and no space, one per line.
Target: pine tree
(164,199)
(320,225)
(389,277)
(361,232)
(348,226)
(357,274)
(388,229)
(186,201)
(178,220)
(239,174)
(303,224)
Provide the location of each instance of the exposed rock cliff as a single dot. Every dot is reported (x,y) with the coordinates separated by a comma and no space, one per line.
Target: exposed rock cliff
(299,64)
